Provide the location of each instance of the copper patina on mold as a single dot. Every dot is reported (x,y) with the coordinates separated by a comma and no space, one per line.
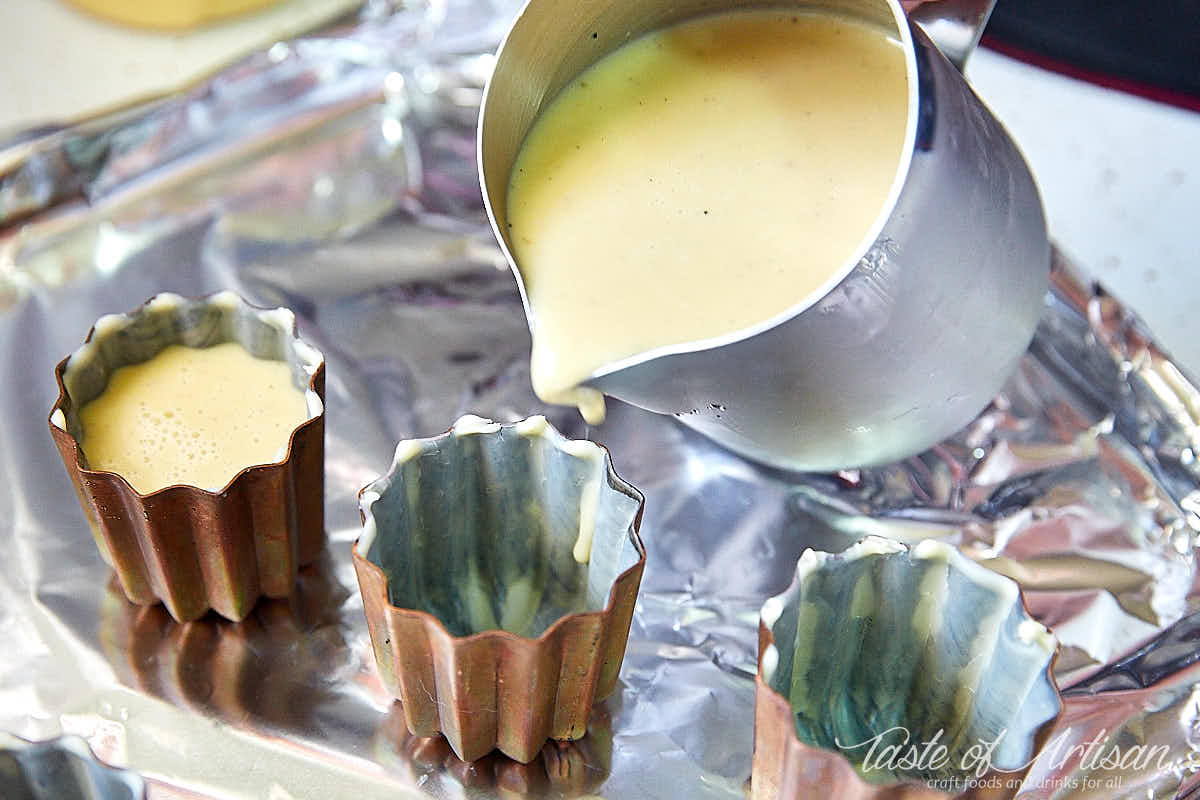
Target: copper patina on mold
(495,689)
(191,548)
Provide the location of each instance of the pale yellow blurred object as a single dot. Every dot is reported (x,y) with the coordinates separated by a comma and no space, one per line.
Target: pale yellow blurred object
(59,63)
(170,14)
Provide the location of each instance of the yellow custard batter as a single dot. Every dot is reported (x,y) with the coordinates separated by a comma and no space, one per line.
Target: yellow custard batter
(192,416)
(170,13)
(698,181)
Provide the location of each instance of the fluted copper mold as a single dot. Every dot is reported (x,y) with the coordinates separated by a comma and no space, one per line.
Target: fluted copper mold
(483,621)
(193,548)
(888,645)
(562,769)
(60,769)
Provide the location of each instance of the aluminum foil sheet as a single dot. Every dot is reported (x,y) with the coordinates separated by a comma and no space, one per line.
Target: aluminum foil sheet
(335,175)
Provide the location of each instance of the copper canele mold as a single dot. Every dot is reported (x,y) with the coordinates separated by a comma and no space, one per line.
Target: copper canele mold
(493,619)
(192,548)
(897,646)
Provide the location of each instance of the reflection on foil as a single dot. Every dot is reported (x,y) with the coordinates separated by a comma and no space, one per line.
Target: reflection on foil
(1042,487)
(562,770)
(1123,744)
(261,673)
(61,768)
(337,177)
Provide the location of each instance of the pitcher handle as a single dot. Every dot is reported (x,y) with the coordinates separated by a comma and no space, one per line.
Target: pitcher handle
(954,25)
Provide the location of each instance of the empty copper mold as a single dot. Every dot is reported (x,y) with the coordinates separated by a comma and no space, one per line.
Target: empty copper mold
(499,567)
(191,548)
(885,648)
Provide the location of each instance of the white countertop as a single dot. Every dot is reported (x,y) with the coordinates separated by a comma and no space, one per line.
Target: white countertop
(1120,179)
(58,63)
(1119,174)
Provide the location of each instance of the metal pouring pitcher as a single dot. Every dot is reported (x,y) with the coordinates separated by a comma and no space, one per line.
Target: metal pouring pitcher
(926,320)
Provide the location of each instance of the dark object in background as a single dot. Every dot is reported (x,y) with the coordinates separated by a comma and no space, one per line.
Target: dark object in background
(1147,47)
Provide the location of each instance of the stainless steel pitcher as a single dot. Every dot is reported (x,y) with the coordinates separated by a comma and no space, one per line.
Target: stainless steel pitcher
(929,317)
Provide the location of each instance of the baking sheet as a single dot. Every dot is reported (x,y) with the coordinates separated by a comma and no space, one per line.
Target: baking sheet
(85,63)
(335,175)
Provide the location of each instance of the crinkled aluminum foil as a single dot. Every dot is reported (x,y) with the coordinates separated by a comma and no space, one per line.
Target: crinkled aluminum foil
(335,175)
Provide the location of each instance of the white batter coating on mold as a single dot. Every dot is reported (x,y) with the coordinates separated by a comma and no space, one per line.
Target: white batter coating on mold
(770,663)
(532,426)
(981,655)
(169,301)
(478,600)
(771,611)
(469,425)
(931,549)
(283,319)
(225,300)
(313,404)
(407,450)
(521,600)
(309,356)
(108,325)
(366,538)
(1033,632)
(589,494)
(931,601)
(874,546)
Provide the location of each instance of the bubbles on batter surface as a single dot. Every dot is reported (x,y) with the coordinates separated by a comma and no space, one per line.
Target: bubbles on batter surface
(194,417)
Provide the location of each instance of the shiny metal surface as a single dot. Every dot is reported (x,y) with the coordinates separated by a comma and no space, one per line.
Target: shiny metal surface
(849,378)
(953,25)
(1079,480)
(61,769)
(887,645)
(485,623)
